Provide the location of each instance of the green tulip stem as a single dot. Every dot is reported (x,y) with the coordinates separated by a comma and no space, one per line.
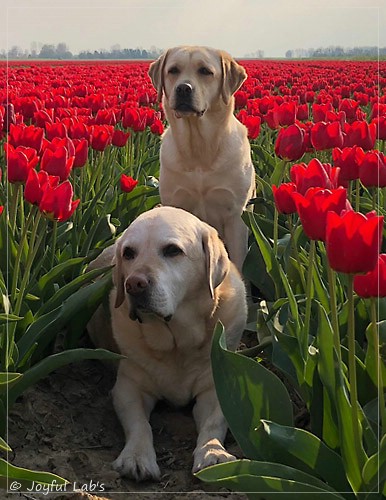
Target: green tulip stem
(275,231)
(307,318)
(20,251)
(30,258)
(53,241)
(352,365)
(13,207)
(334,311)
(295,249)
(357,195)
(32,249)
(378,367)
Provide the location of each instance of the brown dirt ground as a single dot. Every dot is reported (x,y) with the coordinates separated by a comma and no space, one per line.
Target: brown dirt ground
(66,424)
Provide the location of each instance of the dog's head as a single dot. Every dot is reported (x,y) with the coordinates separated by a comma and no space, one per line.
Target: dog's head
(196,79)
(164,257)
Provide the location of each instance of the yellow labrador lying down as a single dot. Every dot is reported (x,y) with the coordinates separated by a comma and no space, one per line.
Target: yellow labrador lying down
(205,156)
(173,281)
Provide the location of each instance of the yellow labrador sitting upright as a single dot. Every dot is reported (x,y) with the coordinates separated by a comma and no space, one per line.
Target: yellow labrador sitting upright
(173,281)
(206,165)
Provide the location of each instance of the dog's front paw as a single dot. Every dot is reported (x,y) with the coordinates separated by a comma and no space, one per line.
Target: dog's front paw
(210,454)
(137,464)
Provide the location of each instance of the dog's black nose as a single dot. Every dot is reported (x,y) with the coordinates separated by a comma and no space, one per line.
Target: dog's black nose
(184,89)
(136,284)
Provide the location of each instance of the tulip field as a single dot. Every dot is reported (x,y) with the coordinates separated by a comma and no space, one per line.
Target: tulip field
(79,160)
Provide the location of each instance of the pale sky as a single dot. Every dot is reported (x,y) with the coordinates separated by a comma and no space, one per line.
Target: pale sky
(238,26)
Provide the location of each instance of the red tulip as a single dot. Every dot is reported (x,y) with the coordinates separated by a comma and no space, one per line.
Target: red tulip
(350,107)
(157,127)
(326,136)
(105,117)
(315,174)
(372,284)
(380,124)
(353,241)
(56,202)
(290,144)
(283,197)
(57,129)
(241,99)
(57,162)
(101,136)
(314,206)
(372,169)
(135,119)
(29,137)
(319,111)
(348,160)
(127,183)
(251,122)
(79,130)
(43,116)
(81,152)
(19,162)
(302,112)
(36,184)
(120,138)
(285,113)
(1,209)
(360,133)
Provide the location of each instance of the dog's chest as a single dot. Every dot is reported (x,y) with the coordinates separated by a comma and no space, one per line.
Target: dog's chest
(200,192)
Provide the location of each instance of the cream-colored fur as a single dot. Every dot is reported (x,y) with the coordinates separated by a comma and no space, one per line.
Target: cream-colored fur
(173,282)
(206,165)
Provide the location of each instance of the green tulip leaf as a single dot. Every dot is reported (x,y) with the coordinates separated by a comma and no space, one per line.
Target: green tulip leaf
(7,379)
(374,470)
(266,480)
(247,393)
(53,362)
(303,450)
(58,272)
(24,478)
(331,377)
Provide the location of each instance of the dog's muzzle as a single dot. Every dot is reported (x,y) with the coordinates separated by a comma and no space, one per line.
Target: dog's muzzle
(184,105)
(139,290)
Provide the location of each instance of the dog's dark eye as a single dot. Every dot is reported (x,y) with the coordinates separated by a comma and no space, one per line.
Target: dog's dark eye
(205,71)
(174,70)
(172,251)
(128,253)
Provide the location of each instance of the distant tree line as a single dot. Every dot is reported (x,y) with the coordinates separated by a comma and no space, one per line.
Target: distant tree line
(336,52)
(61,51)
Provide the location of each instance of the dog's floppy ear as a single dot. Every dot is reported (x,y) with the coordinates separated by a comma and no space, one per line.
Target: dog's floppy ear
(233,76)
(216,257)
(156,73)
(118,276)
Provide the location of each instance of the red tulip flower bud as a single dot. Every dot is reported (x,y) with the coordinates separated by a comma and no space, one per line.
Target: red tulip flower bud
(373,283)
(57,162)
(127,183)
(283,197)
(326,136)
(314,206)
(56,202)
(20,161)
(120,138)
(290,144)
(353,241)
(315,174)
(372,169)
(348,160)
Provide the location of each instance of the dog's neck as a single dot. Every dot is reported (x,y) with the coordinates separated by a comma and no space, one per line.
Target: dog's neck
(198,138)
